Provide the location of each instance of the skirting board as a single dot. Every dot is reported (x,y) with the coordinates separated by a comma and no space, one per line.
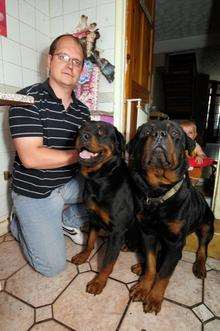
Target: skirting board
(4,226)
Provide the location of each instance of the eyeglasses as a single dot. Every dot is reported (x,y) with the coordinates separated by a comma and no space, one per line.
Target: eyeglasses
(66,58)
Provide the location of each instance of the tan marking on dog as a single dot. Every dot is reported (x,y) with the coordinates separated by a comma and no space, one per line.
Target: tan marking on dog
(156,177)
(175,226)
(104,215)
(150,271)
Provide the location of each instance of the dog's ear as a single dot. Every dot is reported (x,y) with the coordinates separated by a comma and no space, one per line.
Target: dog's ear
(120,142)
(190,144)
(132,144)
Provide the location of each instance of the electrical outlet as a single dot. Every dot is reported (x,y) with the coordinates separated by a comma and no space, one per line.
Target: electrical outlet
(7,175)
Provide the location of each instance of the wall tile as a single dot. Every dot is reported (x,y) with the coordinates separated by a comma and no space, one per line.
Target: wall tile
(1,47)
(4,207)
(87,4)
(109,54)
(70,6)
(42,23)
(27,13)
(106,40)
(1,72)
(28,58)
(4,185)
(105,106)
(56,8)
(29,77)
(13,28)
(42,65)
(101,2)
(27,36)
(12,74)
(6,161)
(4,118)
(11,51)
(104,85)
(70,22)
(43,6)
(42,42)
(106,15)
(56,26)
(12,7)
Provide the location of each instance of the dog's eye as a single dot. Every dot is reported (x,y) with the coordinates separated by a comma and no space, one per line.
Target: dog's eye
(100,132)
(174,133)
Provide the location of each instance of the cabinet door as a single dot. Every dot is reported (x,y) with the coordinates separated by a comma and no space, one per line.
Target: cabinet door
(139,50)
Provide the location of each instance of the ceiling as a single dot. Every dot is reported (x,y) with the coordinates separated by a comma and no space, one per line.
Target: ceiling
(176,19)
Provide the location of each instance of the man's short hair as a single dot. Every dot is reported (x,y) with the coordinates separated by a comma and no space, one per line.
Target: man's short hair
(54,43)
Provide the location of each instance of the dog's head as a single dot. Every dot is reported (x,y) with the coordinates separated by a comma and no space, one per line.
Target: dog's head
(158,150)
(97,143)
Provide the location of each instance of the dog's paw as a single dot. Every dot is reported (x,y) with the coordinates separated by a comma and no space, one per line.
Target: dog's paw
(95,286)
(139,292)
(80,258)
(152,305)
(199,270)
(138,269)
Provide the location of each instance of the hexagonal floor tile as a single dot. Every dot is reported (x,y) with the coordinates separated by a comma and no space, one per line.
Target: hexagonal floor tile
(15,315)
(212,325)
(43,313)
(171,317)
(213,263)
(212,291)
(36,289)
(1,239)
(83,311)
(11,258)
(203,312)
(184,287)
(49,326)
(122,268)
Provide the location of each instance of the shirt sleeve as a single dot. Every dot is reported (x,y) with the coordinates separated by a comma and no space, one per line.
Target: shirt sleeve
(25,122)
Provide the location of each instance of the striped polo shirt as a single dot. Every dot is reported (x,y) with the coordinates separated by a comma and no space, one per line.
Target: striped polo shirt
(48,119)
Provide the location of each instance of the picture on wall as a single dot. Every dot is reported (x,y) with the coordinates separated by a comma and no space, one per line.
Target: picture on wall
(3,26)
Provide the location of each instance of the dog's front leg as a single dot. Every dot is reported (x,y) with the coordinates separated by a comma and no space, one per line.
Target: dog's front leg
(84,255)
(155,298)
(114,244)
(140,291)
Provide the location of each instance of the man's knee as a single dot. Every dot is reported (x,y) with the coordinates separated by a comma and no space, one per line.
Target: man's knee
(50,268)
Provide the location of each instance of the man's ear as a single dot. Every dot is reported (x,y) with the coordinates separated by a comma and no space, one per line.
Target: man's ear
(190,144)
(49,58)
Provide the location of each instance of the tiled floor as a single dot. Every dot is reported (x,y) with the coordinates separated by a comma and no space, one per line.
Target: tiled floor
(29,301)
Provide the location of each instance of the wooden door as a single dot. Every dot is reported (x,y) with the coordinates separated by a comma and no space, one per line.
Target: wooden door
(139,50)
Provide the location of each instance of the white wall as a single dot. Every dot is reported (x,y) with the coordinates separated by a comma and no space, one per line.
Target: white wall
(31,25)
(64,17)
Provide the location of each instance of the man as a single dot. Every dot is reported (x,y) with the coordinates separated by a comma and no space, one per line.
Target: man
(45,168)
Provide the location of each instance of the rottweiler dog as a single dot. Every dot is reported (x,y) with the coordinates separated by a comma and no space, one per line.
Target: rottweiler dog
(168,208)
(107,196)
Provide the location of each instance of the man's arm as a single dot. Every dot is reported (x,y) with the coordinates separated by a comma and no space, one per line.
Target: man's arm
(34,155)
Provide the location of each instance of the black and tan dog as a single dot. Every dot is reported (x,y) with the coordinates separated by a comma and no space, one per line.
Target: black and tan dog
(107,194)
(168,208)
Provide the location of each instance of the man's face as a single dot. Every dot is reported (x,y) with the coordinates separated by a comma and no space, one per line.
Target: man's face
(66,73)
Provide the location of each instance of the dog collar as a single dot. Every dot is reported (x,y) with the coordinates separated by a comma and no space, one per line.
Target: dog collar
(166,196)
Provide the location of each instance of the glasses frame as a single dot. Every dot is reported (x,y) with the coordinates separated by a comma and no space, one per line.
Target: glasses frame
(65,58)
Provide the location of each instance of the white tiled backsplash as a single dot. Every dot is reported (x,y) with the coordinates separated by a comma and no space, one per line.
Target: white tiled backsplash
(31,25)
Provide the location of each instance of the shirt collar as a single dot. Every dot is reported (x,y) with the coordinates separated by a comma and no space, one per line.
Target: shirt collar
(46,86)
